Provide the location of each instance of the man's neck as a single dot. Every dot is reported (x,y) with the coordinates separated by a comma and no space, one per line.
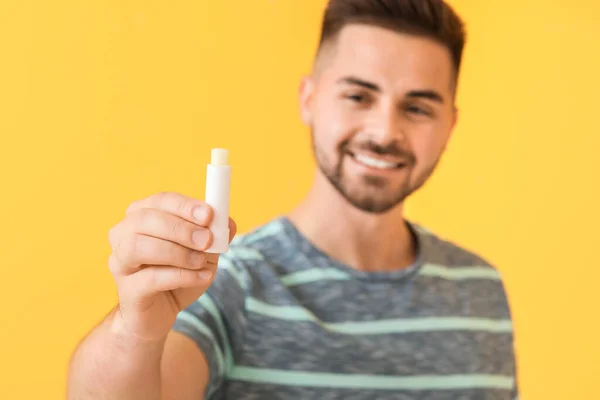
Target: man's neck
(368,242)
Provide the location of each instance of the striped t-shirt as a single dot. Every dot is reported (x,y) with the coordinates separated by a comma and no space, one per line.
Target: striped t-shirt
(282,320)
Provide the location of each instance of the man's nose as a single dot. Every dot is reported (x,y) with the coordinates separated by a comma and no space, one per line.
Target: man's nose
(389,125)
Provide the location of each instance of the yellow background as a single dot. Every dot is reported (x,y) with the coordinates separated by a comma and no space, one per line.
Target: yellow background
(102,103)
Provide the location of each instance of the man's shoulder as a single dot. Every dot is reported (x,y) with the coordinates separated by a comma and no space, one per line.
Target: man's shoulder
(445,251)
(445,259)
(258,244)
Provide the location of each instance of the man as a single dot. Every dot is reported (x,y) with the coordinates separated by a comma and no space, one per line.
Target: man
(343,297)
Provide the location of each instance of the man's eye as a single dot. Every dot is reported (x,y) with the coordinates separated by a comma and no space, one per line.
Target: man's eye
(358,98)
(418,110)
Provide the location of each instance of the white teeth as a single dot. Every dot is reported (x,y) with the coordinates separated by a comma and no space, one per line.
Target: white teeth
(373,162)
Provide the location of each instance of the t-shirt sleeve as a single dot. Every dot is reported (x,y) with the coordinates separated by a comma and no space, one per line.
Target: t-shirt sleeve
(217,319)
(514,368)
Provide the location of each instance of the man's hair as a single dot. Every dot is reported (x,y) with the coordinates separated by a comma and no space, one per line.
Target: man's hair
(433,19)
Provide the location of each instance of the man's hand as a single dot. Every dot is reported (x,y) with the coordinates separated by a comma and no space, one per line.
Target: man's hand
(158,262)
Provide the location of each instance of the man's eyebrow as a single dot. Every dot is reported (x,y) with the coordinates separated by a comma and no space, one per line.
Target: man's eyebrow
(423,94)
(426,94)
(352,80)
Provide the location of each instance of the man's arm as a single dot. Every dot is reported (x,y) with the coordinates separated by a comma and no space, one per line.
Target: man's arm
(112,364)
(160,266)
(184,369)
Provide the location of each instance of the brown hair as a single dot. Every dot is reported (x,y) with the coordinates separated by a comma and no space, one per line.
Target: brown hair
(434,19)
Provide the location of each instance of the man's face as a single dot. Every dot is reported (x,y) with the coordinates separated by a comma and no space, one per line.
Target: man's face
(381,111)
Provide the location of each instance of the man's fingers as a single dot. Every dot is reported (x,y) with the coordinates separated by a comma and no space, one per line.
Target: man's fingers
(189,209)
(157,278)
(166,229)
(193,210)
(162,225)
(136,250)
(232,229)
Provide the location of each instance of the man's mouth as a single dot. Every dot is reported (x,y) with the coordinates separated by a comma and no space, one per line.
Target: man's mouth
(377,163)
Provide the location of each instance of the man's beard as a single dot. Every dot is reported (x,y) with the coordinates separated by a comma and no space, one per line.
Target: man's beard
(371,193)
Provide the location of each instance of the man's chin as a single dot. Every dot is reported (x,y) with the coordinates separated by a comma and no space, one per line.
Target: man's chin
(373,195)
(374,204)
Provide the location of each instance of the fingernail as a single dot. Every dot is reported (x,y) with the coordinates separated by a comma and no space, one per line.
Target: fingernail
(200,237)
(200,214)
(205,275)
(197,258)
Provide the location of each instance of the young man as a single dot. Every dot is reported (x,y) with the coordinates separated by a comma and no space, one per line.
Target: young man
(343,297)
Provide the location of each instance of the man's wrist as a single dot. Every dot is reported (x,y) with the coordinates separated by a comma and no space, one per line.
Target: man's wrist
(131,347)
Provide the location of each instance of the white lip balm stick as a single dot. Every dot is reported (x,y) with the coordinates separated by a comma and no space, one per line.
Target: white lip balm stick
(218,181)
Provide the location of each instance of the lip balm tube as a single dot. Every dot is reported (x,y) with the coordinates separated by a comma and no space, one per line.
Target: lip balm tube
(218,181)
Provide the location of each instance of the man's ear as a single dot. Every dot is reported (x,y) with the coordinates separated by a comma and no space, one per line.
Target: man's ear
(454,117)
(305,97)
(453,124)
(452,128)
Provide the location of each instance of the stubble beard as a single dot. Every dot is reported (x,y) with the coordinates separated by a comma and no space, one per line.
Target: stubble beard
(370,194)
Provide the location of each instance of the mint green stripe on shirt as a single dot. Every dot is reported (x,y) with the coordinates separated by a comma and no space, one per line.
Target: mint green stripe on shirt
(272,229)
(459,273)
(431,270)
(211,307)
(381,327)
(244,253)
(190,319)
(227,265)
(373,382)
(314,275)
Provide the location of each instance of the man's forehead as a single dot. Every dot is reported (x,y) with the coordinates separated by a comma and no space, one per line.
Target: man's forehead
(390,57)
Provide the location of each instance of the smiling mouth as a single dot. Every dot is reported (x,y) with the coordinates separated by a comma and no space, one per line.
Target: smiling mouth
(376,163)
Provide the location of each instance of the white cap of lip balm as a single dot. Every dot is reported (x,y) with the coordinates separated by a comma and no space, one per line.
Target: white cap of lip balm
(218,181)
